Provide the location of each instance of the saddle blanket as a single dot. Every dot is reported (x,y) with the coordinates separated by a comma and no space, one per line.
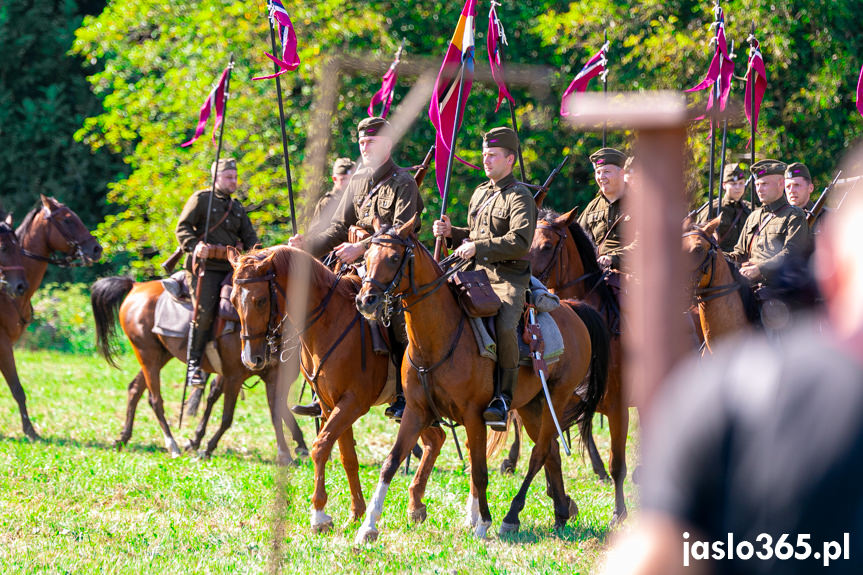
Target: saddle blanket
(550,334)
(172,317)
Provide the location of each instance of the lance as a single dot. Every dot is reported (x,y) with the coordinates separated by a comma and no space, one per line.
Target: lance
(605,88)
(438,245)
(750,85)
(724,137)
(713,123)
(282,125)
(202,264)
(511,105)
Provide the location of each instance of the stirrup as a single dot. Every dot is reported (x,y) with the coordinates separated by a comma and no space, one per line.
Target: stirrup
(396,408)
(496,413)
(199,376)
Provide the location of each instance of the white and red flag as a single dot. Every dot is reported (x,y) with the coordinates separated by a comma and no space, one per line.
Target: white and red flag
(494,39)
(290,59)
(594,67)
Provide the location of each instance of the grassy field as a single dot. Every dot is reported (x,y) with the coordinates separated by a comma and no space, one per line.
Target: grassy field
(73,504)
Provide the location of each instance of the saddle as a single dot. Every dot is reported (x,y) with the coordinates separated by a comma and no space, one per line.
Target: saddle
(173,312)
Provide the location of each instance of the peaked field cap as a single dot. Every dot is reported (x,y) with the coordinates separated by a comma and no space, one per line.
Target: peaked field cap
(605,156)
(501,137)
(224,165)
(342,166)
(733,172)
(371,126)
(767,168)
(797,170)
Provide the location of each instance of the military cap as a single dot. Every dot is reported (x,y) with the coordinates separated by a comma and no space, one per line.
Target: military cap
(225,164)
(372,127)
(732,173)
(342,166)
(797,170)
(767,168)
(501,137)
(607,156)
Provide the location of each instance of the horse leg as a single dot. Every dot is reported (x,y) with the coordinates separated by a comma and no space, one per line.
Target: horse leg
(618,426)
(231,390)
(10,372)
(348,452)
(413,422)
(133,396)
(511,461)
(433,439)
(337,423)
(216,388)
(152,377)
(596,459)
(277,400)
(476,445)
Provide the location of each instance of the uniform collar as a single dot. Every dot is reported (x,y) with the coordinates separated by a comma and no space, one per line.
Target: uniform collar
(502,183)
(385,169)
(727,201)
(777,205)
(221,194)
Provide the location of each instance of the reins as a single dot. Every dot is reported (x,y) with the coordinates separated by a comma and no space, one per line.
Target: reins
(707,267)
(73,260)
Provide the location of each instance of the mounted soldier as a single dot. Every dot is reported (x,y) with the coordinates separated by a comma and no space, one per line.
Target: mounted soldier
(501,222)
(206,264)
(733,211)
(325,209)
(379,190)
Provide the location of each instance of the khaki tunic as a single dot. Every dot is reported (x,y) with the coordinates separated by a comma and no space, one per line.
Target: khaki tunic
(502,230)
(772,232)
(597,219)
(389,193)
(235,230)
(732,218)
(325,209)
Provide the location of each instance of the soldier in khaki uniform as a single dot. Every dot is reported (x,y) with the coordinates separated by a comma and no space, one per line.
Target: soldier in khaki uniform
(379,189)
(229,226)
(799,187)
(325,209)
(501,221)
(604,216)
(774,231)
(734,209)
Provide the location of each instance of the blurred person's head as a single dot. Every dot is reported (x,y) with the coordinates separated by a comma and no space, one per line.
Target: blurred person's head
(343,169)
(798,184)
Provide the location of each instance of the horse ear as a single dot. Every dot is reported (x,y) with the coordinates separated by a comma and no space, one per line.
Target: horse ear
(9,220)
(687,224)
(46,202)
(711,226)
(408,227)
(233,256)
(566,219)
(377,224)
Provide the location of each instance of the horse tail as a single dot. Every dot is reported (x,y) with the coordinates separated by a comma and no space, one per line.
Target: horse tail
(582,411)
(497,439)
(106,295)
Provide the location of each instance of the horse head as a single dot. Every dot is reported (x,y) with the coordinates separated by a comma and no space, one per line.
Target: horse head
(388,258)
(700,248)
(12,277)
(64,232)
(253,296)
(549,243)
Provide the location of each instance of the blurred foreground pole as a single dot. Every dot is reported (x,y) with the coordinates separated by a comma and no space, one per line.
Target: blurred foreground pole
(654,327)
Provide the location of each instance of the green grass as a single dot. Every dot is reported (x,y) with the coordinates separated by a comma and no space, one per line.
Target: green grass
(73,504)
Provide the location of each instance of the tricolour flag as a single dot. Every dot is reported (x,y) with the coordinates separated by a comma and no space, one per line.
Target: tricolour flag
(215,102)
(385,94)
(290,59)
(721,67)
(594,67)
(756,83)
(495,37)
(445,115)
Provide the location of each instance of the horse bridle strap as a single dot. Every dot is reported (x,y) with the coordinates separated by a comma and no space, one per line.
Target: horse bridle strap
(67,260)
(709,292)
(313,378)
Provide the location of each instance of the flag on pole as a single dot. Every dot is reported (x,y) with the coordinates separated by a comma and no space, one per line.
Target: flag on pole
(721,66)
(443,114)
(594,67)
(756,83)
(860,93)
(215,102)
(495,37)
(385,94)
(290,59)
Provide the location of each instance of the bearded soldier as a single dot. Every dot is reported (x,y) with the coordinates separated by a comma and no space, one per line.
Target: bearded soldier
(229,226)
(378,190)
(501,221)
(734,209)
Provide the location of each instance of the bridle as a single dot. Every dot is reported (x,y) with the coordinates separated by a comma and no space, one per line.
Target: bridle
(702,290)
(556,257)
(7,231)
(74,259)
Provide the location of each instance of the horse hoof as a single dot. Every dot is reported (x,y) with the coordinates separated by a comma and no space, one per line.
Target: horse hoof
(366,535)
(617,519)
(284,459)
(321,522)
(482,529)
(418,515)
(31,434)
(507,528)
(301,452)
(573,509)
(191,446)
(119,444)
(507,468)
(203,455)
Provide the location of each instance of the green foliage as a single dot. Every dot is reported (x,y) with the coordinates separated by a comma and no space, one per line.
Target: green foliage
(161,59)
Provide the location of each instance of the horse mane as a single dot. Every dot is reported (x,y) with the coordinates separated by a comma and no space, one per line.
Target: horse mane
(392,230)
(283,258)
(28,220)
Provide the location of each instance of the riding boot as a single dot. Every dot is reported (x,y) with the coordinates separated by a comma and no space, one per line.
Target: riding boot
(198,377)
(312,409)
(496,412)
(397,408)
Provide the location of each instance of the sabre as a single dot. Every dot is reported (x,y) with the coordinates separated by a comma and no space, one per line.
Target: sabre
(537,359)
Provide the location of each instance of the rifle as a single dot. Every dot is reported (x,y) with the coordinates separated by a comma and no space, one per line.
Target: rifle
(169,264)
(812,215)
(542,191)
(423,168)
(699,209)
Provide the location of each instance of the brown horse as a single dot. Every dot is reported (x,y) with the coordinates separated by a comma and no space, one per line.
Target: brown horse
(337,355)
(724,300)
(563,257)
(445,377)
(49,228)
(13,280)
(134,305)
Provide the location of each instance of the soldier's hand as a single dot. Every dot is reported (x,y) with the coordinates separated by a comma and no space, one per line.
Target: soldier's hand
(296,241)
(751,272)
(349,253)
(442,228)
(604,262)
(465,251)
(202,251)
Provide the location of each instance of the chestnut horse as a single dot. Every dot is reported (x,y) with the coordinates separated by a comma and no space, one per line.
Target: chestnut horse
(446,377)
(563,257)
(13,280)
(337,356)
(47,229)
(723,297)
(134,305)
